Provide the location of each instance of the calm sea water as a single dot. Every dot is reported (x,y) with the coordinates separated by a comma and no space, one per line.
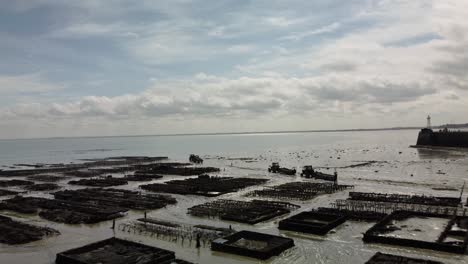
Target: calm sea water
(403,170)
(72,149)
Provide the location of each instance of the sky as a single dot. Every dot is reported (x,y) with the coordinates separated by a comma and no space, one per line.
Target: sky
(116,67)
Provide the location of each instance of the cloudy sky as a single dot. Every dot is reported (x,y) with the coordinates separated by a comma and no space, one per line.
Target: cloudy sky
(115,67)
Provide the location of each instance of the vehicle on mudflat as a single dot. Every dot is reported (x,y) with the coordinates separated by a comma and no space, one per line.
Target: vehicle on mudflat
(309,172)
(275,168)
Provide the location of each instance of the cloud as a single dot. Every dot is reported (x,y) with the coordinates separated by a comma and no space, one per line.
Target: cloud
(283,21)
(261,61)
(241,49)
(242,97)
(29,83)
(338,66)
(94,30)
(325,29)
(453,27)
(452,96)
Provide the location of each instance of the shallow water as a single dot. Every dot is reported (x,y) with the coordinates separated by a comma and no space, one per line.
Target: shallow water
(421,228)
(401,170)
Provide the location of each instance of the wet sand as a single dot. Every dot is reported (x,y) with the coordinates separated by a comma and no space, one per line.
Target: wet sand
(411,172)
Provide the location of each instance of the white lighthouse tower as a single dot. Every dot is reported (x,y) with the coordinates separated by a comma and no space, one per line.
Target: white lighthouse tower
(428,126)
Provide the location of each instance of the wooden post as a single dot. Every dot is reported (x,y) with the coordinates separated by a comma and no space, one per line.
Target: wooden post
(198,241)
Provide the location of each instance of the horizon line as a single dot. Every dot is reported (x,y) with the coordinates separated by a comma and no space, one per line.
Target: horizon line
(227,133)
(242,133)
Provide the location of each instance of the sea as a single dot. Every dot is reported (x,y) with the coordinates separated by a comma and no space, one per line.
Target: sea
(398,169)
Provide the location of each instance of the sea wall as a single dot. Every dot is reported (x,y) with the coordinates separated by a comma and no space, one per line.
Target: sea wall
(427,137)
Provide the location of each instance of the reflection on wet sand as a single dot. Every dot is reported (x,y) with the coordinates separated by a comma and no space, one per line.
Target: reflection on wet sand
(441,153)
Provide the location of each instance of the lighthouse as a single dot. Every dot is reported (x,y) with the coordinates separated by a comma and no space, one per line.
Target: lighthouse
(428,126)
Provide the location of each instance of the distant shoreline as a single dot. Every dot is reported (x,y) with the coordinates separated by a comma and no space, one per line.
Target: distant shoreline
(454,126)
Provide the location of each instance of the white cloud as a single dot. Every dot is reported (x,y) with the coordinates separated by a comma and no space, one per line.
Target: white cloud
(29,83)
(340,63)
(95,30)
(241,49)
(283,21)
(325,29)
(212,103)
(208,95)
